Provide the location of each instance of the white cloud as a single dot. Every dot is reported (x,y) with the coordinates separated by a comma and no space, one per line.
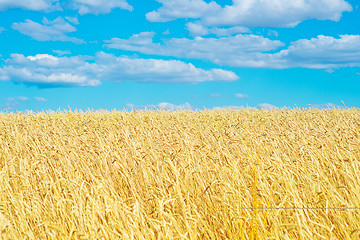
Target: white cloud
(173,9)
(23,99)
(35,5)
(251,13)
(20,98)
(324,106)
(82,6)
(40,99)
(170,106)
(273,33)
(166,32)
(12,103)
(248,50)
(73,20)
(198,29)
(241,95)
(323,52)
(98,6)
(239,50)
(155,70)
(56,30)
(161,106)
(266,106)
(229,31)
(215,95)
(2,29)
(46,70)
(62,52)
(42,57)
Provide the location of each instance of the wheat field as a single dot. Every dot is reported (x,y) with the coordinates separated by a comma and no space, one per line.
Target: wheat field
(209,174)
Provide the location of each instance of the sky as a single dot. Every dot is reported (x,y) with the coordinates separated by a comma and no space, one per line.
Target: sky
(178,54)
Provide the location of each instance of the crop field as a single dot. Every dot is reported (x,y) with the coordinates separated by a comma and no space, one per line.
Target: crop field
(209,174)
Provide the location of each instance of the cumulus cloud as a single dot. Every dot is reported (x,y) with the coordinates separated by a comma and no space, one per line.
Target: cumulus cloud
(35,5)
(248,50)
(46,70)
(240,50)
(241,95)
(55,30)
(323,52)
(251,13)
(98,6)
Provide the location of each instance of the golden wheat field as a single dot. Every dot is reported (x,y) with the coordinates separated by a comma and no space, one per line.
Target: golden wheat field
(209,174)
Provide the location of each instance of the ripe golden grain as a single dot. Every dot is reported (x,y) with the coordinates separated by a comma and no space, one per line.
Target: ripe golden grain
(227,174)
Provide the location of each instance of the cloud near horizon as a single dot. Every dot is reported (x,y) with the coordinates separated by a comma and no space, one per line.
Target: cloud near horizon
(160,106)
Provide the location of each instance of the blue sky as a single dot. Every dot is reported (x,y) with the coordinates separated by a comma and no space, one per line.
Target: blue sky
(189,54)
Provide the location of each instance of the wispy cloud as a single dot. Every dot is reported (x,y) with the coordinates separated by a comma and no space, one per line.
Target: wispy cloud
(273,33)
(161,106)
(23,99)
(12,103)
(2,29)
(215,95)
(40,99)
(62,52)
(55,30)
(73,20)
(323,106)
(266,106)
(241,95)
(46,70)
